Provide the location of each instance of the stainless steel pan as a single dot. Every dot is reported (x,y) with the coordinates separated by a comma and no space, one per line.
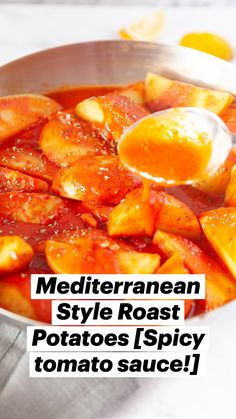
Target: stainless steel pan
(113,62)
(107,63)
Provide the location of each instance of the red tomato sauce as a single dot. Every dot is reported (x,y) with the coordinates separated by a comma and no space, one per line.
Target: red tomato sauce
(70,98)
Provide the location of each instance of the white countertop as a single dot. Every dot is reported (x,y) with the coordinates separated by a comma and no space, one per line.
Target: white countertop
(25,29)
(28,28)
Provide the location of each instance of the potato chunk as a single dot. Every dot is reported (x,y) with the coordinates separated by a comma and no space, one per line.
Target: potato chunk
(173,265)
(15,297)
(218,181)
(35,208)
(137,263)
(96,253)
(15,254)
(162,93)
(229,117)
(20,111)
(133,216)
(111,113)
(138,217)
(99,179)
(13,300)
(220,285)
(12,180)
(219,227)
(176,217)
(230,193)
(64,139)
(134,92)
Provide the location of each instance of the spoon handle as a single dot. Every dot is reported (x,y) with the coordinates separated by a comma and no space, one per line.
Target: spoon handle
(234,139)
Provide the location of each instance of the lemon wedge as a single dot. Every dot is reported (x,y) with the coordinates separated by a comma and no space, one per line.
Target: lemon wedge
(146,29)
(208,42)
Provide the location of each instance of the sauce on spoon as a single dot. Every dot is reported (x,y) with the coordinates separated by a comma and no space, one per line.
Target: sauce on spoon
(169,148)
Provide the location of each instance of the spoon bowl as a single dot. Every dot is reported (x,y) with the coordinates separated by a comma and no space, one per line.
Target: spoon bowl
(187,122)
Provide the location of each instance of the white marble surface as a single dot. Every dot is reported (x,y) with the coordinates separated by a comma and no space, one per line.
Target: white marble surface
(25,29)
(175,3)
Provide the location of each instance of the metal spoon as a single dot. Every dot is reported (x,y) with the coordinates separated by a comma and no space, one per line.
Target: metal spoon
(206,122)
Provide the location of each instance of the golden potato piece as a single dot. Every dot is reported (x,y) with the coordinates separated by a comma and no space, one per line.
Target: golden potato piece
(176,217)
(132,217)
(85,255)
(173,265)
(111,113)
(95,253)
(99,180)
(12,180)
(35,208)
(15,254)
(218,181)
(137,263)
(137,217)
(230,193)
(220,285)
(134,92)
(26,159)
(64,139)
(162,93)
(12,299)
(229,117)
(219,227)
(90,110)
(20,111)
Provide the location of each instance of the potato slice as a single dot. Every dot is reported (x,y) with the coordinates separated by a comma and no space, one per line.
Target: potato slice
(15,254)
(162,93)
(20,111)
(71,236)
(136,217)
(27,160)
(134,92)
(66,258)
(64,139)
(65,236)
(220,285)
(99,180)
(35,208)
(111,113)
(12,180)
(218,181)
(173,265)
(230,193)
(219,227)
